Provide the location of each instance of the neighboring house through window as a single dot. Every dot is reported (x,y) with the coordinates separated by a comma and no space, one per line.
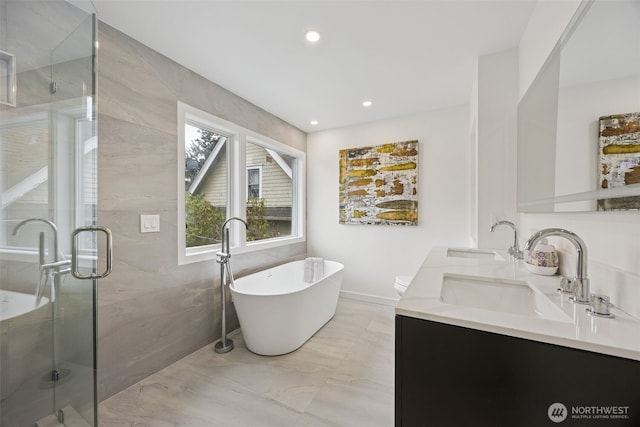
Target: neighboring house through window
(269,195)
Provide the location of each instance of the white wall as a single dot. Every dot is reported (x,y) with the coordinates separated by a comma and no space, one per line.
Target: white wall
(374,254)
(497,91)
(612,238)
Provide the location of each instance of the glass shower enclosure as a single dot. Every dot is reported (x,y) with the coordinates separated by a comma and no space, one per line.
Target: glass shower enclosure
(48,196)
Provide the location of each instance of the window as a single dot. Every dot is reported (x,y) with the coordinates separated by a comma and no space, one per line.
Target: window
(269,191)
(224,171)
(254,177)
(205,182)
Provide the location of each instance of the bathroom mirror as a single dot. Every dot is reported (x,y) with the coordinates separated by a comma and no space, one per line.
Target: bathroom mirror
(579,122)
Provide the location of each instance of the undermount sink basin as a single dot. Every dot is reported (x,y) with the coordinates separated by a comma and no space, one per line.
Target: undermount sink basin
(474,253)
(505,296)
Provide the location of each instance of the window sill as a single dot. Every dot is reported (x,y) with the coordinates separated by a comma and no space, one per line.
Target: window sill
(208,253)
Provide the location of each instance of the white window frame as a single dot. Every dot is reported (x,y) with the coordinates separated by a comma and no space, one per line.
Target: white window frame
(237,186)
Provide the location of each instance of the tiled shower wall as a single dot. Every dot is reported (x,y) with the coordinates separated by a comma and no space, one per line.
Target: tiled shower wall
(151,311)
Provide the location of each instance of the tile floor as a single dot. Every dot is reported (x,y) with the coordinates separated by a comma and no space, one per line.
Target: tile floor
(343,376)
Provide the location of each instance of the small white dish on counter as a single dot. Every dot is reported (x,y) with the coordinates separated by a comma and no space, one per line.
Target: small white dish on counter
(542,260)
(543,271)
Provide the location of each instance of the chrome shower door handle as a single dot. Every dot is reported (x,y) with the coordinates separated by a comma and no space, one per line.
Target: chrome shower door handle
(74,252)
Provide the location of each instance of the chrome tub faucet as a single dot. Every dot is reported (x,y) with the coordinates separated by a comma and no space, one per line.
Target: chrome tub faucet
(225,345)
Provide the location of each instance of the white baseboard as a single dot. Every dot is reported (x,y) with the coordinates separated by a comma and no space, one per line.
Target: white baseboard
(369,298)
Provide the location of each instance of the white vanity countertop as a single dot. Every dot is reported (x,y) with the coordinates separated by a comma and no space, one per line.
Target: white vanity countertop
(618,336)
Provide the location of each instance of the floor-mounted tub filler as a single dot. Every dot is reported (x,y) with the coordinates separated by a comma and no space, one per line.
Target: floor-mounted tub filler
(278,311)
(225,345)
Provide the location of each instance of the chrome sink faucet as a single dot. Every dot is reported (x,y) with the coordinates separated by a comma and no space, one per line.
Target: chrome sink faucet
(514,250)
(580,282)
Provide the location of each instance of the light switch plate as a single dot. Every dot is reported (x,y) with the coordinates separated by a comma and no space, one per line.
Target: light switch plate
(149,223)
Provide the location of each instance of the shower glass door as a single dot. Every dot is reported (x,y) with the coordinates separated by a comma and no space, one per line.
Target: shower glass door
(75,188)
(48,179)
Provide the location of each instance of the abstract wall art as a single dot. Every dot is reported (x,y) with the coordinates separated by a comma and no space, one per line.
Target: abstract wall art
(619,156)
(379,184)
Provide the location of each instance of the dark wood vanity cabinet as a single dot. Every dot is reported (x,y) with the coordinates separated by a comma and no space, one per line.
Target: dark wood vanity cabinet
(451,376)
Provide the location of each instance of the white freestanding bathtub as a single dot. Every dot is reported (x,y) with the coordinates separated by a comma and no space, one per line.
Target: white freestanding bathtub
(25,339)
(15,304)
(278,311)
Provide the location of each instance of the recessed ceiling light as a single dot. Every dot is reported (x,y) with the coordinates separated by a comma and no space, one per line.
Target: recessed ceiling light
(367,103)
(313,122)
(312,36)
